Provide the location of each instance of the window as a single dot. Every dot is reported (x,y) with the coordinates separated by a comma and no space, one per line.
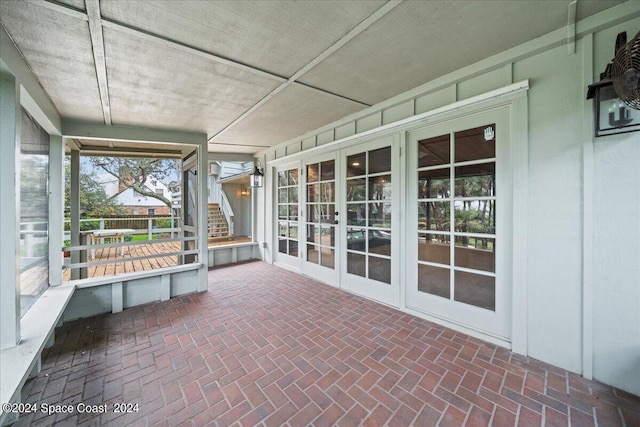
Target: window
(151,212)
(34,212)
(160,191)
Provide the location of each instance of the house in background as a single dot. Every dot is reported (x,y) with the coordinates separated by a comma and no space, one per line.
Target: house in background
(135,203)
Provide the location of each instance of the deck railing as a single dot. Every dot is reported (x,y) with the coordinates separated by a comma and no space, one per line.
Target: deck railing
(140,224)
(226,209)
(164,245)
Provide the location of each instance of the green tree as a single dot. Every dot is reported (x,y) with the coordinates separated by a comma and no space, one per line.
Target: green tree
(94,202)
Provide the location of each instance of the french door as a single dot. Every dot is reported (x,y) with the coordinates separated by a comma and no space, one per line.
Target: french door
(287,198)
(320,218)
(369,233)
(459,222)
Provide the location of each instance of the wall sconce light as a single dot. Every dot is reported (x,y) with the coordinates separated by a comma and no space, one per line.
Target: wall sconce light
(612,114)
(257,176)
(244,191)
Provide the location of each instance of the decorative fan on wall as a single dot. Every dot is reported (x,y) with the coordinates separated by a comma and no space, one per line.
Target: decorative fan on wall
(617,94)
(625,72)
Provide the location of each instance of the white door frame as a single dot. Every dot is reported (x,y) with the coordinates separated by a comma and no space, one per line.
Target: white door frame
(323,274)
(279,258)
(493,323)
(387,293)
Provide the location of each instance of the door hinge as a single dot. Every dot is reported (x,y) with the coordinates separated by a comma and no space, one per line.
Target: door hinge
(400,155)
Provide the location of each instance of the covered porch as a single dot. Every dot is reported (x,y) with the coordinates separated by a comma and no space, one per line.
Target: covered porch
(437,164)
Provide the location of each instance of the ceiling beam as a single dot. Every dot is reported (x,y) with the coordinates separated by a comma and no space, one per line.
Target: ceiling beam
(355,31)
(571,27)
(97,42)
(89,131)
(232,144)
(74,144)
(156,38)
(96,22)
(91,150)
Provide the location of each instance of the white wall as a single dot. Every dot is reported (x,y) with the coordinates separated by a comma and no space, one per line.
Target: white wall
(559,136)
(555,199)
(129,198)
(241,207)
(616,266)
(616,243)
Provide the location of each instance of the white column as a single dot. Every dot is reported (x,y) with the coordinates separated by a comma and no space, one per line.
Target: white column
(75,210)
(9,210)
(202,214)
(56,208)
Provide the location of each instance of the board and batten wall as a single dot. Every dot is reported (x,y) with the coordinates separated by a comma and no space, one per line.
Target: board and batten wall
(582,254)
(616,244)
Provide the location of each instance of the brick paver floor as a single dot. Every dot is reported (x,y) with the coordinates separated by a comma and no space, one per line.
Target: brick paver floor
(271,347)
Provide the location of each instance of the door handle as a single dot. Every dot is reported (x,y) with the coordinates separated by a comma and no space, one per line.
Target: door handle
(335,222)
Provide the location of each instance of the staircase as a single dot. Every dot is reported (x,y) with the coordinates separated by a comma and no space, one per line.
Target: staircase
(217,224)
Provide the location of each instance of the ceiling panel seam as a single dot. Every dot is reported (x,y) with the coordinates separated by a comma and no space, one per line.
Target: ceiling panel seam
(62,8)
(255,106)
(350,35)
(97,43)
(137,32)
(355,31)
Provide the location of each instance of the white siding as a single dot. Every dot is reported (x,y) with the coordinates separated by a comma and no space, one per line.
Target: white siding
(616,243)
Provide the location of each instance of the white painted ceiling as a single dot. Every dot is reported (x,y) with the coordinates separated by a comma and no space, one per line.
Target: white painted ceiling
(251,74)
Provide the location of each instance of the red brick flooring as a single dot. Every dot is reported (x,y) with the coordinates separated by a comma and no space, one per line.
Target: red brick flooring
(270,347)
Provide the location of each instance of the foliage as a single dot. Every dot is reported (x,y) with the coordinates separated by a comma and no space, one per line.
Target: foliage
(94,202)
(136,172)
(470,216)
(34,172)
(163,223)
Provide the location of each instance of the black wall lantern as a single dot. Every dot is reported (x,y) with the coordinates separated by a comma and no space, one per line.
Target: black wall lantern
(617,94)
(257,176)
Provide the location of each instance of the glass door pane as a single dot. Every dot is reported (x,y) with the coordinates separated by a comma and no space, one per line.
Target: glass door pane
(368,203)
(457,216)
(321,213)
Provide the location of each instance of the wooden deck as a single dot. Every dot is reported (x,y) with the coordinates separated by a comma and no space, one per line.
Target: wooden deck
(124,266)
